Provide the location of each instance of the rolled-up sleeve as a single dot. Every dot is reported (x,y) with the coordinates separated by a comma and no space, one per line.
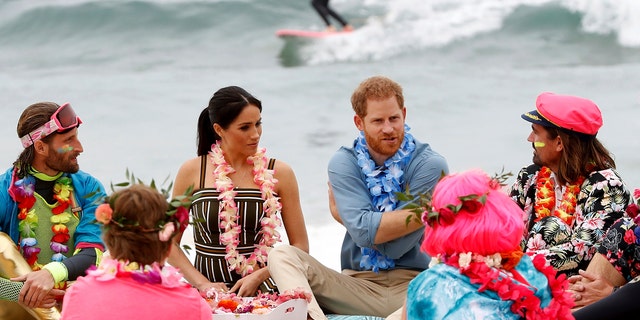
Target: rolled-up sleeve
(422,176)
(352,198)
(354,202)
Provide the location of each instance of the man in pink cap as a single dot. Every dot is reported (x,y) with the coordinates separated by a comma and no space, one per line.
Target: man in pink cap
(571,194)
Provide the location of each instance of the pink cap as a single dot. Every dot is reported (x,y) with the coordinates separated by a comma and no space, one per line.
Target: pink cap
(567,112)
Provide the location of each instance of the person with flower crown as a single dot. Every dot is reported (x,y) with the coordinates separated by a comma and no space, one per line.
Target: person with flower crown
(571,194)
(242,198)
(48,206)
(478,271)
(380,251)
(132,280)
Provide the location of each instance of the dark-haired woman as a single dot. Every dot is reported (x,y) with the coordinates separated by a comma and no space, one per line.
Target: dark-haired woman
(242,198)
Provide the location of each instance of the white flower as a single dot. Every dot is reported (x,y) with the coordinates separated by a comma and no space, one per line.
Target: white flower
(434,261)
(494,260)
(465,259)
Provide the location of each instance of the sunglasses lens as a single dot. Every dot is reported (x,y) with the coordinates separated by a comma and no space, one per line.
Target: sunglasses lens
(66,117)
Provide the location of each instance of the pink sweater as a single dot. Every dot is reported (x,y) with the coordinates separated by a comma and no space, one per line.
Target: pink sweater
(125,298)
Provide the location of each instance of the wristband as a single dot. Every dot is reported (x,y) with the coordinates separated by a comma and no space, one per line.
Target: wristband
(58,271)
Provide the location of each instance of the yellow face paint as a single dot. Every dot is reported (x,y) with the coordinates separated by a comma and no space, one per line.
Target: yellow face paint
(538,144)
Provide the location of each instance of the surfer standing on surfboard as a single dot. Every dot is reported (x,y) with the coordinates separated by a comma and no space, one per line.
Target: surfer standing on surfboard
(322,7)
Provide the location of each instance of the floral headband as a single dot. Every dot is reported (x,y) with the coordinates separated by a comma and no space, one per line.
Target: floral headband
(177,214)
(472,203)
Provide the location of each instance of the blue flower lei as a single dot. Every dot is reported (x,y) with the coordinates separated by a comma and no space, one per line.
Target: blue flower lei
(383,183)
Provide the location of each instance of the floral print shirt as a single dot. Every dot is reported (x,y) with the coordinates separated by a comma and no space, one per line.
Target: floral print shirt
(602,200)
(621,247)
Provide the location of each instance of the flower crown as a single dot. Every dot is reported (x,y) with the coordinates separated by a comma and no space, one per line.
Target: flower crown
(177,215)
(424,211)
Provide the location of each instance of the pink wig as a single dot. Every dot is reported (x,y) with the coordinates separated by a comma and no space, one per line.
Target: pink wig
(496,228)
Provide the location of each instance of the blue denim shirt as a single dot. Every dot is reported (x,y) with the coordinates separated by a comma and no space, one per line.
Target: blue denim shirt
(362,220)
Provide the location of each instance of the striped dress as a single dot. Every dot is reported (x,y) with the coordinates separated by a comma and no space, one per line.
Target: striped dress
(209,259)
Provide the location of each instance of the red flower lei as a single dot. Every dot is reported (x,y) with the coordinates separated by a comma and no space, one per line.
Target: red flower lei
(546,198)
(22,191)
(490,275)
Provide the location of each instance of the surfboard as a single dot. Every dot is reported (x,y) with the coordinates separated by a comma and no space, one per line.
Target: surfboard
(294,33)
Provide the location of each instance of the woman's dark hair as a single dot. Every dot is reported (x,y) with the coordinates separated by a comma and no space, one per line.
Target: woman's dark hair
(224,107)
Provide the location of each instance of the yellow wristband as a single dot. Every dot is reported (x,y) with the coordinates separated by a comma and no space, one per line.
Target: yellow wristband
(58,271)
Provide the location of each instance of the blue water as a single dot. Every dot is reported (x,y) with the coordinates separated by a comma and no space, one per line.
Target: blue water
(139,73)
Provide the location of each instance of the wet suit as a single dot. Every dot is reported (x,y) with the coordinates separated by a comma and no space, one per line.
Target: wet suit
(322,7)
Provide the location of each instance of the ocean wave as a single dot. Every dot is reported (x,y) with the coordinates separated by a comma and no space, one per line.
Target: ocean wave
(413,26)
(85,30)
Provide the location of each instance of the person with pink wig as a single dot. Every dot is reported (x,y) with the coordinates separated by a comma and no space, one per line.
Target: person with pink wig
(478,270)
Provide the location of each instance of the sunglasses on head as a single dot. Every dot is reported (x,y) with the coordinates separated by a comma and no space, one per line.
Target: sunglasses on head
(63,119)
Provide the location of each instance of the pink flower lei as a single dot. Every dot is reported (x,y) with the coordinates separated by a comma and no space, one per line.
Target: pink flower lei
(490,273)
(228,211)
(166,276)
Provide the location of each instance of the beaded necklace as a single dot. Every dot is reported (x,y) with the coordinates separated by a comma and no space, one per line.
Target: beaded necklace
(166,276)
(229,215)
(546,198)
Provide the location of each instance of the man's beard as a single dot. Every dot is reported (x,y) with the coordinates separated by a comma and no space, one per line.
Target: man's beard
(61,162)
(382,148)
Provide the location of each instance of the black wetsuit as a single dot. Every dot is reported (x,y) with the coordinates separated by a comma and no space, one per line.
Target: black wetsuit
(322,6)
(622,304)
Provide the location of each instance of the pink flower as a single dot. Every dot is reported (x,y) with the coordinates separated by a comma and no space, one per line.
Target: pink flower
(104,213)
(166,232)
(636,193)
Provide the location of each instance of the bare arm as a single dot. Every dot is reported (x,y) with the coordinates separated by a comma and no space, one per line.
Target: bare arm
(188,176)
(394,225)
(293,221)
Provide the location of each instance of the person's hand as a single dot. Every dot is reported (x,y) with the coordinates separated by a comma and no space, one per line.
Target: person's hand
(217,286)
(332,205)
(248,285)
(588,288)
(52,298)
(36,289)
